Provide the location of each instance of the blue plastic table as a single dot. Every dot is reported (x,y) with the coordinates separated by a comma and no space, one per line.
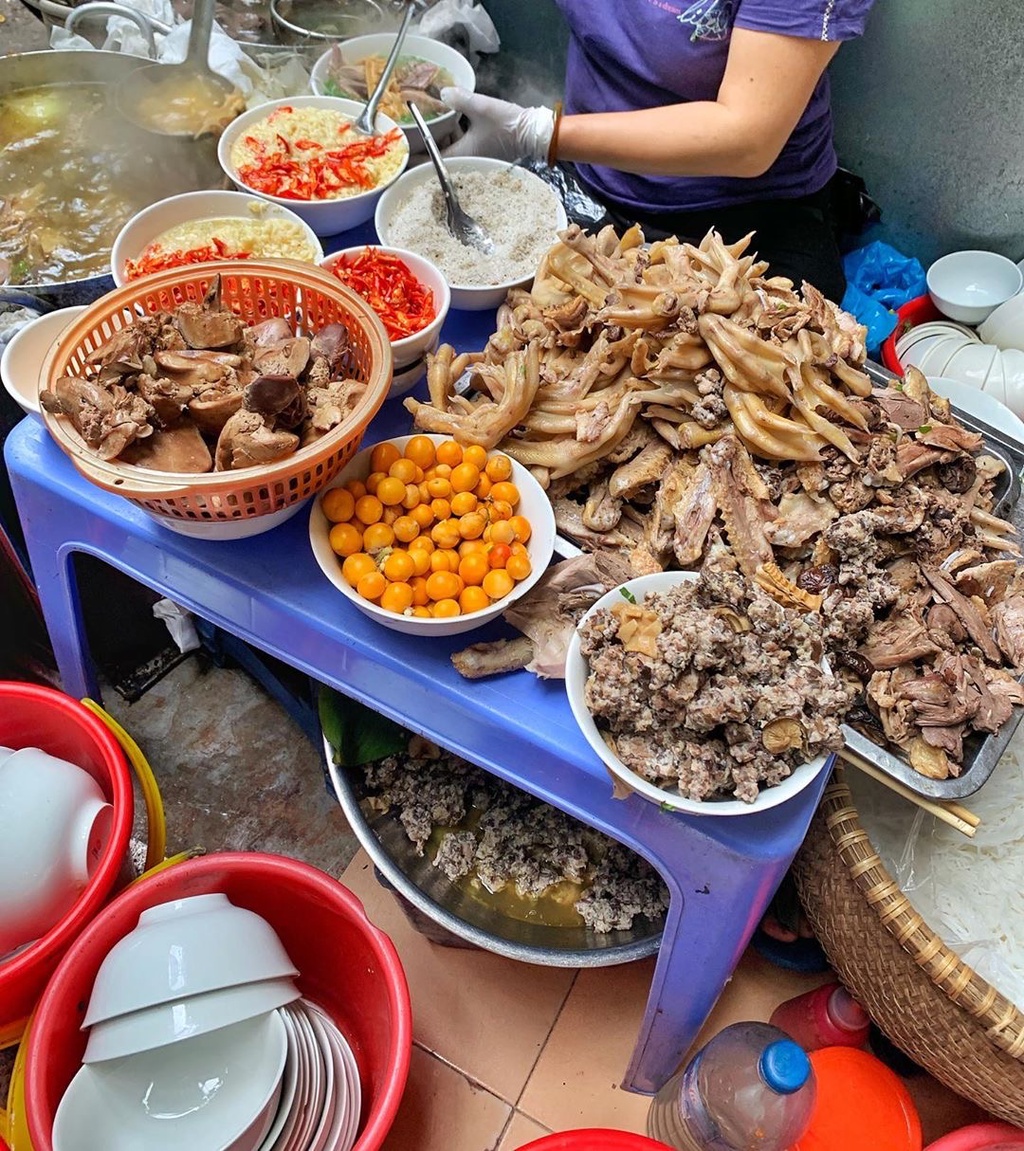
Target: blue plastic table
(269,591)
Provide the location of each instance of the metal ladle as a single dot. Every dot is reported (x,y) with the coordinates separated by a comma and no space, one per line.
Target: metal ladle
(187,99)
(460,223)
(364,122)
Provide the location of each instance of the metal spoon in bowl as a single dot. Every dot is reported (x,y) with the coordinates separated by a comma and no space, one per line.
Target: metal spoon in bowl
(364,122)
(187,99)
(460,223)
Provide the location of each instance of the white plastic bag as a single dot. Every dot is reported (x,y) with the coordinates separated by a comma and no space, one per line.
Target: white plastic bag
(462,24)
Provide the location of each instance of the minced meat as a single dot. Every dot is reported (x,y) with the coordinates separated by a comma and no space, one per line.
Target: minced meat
(507,838)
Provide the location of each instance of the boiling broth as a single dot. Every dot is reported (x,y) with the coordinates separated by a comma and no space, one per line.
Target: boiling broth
(72,174)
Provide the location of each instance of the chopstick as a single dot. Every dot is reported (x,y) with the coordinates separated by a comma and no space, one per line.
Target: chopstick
(954,814)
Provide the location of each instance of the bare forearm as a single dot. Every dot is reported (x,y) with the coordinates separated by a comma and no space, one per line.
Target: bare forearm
(698,139)
(767,83)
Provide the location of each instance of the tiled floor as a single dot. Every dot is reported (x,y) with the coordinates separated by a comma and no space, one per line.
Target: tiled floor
(504,1051)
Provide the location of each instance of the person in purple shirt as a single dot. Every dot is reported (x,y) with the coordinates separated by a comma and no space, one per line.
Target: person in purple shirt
(685,116)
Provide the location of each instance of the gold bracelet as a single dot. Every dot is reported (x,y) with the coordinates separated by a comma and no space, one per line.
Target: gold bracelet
(553,146)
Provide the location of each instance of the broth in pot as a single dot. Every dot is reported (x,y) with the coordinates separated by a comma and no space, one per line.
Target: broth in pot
(72,173)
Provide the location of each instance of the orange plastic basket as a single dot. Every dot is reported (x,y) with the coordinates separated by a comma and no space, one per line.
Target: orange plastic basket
(308,298)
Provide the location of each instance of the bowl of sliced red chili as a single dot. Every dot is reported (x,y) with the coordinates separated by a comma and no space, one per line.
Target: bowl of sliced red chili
(301,152)
(407,291)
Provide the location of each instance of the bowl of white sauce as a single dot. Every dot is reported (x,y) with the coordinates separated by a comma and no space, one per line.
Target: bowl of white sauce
(520,211)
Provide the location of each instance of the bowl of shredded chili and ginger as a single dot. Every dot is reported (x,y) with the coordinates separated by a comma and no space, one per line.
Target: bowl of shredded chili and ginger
(197,227)
(408,293)
(302,152)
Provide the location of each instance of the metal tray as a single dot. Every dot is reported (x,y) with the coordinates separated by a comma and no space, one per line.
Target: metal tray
(981,752)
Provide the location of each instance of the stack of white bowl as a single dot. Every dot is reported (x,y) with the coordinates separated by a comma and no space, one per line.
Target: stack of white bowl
(199,1038)
(977,288)
(55,824)
(990,359)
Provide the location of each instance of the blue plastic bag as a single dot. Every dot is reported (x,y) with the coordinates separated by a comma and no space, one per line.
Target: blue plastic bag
(879,279)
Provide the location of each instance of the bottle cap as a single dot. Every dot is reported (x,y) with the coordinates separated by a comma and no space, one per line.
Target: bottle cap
(846,1012)
(784,1066)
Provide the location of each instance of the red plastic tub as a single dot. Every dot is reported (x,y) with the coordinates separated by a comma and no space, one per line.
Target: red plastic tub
(348,967)
(981,1137)
(595,1139)
(34,716)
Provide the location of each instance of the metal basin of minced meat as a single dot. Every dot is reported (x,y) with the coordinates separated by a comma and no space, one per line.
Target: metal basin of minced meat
(711,687)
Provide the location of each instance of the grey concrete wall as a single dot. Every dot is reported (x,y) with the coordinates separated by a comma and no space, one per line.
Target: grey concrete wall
(929,110)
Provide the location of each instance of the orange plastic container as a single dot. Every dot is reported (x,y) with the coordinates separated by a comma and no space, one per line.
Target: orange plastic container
(348,967)
(860,1104)
(594,1139)
(36,716)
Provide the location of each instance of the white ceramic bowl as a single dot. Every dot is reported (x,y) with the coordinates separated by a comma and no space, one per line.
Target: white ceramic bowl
(325,217)
(576,672)
(971,364)
(152,222)
(26,351)
(406,351)
(168,956)
(426,48)
(1004,327)
(1013,365)
(968,286)
(218,1092)
(932,330)
(239,529)
(55,823)
(533,504)
(994,383)
(185,1018)
(935,357)
(468,297)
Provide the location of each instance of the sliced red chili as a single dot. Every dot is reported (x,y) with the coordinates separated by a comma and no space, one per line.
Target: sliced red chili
(404,304)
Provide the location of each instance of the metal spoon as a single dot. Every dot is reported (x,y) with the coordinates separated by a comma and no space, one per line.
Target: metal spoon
(460,223)
(364,122)
(186,99)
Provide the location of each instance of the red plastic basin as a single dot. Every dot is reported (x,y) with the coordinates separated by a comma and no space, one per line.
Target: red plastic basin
(36,716)
(594,1139)
(348,967)
(981,1137)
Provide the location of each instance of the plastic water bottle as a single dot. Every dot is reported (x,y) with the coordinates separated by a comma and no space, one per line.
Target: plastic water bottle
(750,1088)
(829,1016)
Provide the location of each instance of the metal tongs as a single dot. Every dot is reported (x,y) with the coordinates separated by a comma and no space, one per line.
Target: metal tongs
(460,223)
(364,122)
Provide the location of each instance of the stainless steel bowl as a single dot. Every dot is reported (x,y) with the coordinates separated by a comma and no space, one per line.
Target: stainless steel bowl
(453,908)
(325,21)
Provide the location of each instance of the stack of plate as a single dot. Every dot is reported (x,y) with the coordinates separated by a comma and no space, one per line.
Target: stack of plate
(321,1097)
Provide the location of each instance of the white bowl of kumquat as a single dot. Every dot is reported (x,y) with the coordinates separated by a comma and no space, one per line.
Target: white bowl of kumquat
(431,538)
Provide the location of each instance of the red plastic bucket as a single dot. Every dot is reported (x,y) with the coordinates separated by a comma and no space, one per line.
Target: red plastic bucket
(348,967)
(34,716)
(595,1139)
(981,1137)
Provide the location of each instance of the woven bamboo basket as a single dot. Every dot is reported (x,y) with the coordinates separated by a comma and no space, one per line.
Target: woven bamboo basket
(920,993)
(308,298)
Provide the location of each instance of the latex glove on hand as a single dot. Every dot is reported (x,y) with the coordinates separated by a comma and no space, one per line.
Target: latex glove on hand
(499,129)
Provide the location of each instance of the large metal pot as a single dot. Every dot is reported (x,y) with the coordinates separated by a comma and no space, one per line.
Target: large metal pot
(188,165)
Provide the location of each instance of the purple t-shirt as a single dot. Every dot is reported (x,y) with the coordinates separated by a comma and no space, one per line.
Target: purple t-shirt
(629,54)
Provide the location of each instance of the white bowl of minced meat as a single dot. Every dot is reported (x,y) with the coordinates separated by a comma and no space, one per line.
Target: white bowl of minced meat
(198,227)
(520,211)
(703,694)
(301,152)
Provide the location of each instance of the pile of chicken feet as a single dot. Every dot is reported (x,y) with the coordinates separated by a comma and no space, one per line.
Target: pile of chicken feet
(682,407)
